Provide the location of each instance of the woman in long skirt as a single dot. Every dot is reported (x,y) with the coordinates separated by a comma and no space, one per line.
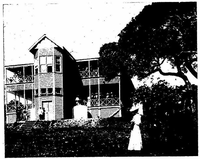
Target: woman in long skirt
(135,141)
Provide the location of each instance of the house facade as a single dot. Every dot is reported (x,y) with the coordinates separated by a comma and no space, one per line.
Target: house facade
(53,82)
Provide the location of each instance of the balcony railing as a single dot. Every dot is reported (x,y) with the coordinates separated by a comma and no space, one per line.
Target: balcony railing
(22,113)
(17,79)
(12,107)
(109,101)
(86,73)
(105,102)
(94,73)
(94,102)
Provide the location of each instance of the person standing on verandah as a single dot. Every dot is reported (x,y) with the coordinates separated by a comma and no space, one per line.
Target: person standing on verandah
(135,141)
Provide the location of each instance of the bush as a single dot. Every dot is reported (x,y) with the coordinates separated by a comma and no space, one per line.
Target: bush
(169,119)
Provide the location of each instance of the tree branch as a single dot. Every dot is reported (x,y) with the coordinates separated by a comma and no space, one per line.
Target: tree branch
(177,74)
(162,61)
(189,67)
(169,73)
(148,74)
(188,61)
(193,60)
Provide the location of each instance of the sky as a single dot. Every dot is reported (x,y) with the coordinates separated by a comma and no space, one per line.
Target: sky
(82,27)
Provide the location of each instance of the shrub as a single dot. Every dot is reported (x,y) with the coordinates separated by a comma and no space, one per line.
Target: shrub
(170,121)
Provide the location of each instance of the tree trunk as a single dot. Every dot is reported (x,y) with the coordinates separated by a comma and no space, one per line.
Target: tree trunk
(127,91)
(186,80)
(187,98)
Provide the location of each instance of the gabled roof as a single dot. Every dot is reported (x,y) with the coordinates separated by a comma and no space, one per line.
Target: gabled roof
(33,48)
(39,41)
(67,52)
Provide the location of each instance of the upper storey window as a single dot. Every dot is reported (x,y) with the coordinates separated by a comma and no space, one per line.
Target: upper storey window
(58,63)
(49,63)
(43,68)
(46,64)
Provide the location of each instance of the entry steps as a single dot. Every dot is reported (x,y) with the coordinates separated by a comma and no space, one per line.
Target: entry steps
(27,126)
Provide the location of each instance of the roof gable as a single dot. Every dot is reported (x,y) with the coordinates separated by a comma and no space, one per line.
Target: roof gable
(43,42)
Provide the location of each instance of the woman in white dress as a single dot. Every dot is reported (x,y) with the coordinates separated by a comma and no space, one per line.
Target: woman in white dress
(135,141)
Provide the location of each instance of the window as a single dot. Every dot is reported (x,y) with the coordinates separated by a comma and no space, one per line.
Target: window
(36,92)
(43,91)
(46,91)
(46,64)
(43,64)
(49,60)
(42,60)
(49,69)
(49,64)
(58,64)
(58,91)
(43,68)
(50,91)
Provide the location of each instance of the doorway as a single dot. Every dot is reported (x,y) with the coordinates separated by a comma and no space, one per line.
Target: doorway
(48,110)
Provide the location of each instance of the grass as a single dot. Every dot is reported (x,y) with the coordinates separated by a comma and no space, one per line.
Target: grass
(105,137)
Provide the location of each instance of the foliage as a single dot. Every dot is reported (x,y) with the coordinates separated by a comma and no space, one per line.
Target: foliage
(167,98)
(169,118)
(168,36)
(111,61)
(161,32)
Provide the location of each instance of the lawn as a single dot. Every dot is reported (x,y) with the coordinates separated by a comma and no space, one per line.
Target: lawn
(104,137)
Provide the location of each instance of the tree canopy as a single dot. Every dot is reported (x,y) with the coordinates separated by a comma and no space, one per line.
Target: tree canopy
(161,32)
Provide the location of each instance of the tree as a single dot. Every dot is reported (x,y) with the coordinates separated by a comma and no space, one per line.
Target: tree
(161,32)
(112,64)
(164,120)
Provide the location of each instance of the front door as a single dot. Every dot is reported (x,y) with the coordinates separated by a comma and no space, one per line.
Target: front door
(48,110)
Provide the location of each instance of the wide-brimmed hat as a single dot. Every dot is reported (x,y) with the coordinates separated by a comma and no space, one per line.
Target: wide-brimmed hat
(137,107)
(77,99)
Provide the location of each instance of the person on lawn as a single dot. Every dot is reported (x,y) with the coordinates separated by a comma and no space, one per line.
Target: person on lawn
(40,112)
(135,141)
(80,111)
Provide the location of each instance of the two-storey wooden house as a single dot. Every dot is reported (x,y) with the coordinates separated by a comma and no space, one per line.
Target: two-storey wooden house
(53,82)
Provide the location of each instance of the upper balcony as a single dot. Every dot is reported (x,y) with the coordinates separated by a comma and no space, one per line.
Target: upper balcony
(88,68)
(18,74)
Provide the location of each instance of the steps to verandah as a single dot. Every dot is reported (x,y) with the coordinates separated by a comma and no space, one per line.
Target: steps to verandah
(27,126)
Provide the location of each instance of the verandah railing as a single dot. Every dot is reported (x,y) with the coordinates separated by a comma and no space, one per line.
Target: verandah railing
(86,73)
(14,108)
(105,102)
(17,79)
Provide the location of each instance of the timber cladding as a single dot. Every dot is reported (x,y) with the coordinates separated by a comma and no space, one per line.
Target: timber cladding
(59,111)
(46,80)
(45,51)
(59,80)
